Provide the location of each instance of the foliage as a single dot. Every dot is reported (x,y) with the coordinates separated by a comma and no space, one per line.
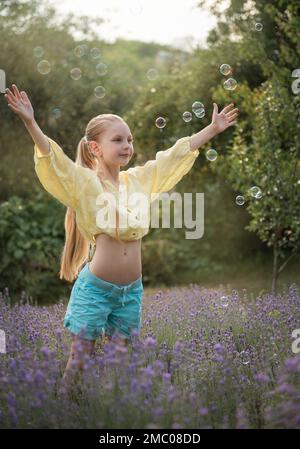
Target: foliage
(31,240)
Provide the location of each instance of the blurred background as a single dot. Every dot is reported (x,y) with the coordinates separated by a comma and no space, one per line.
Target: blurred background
(143,60)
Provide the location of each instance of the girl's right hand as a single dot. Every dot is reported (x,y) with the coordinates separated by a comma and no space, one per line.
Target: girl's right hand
(19,103)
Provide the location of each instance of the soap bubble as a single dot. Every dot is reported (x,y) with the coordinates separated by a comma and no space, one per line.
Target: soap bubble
(187,116)
(224,301)
(200,113)
(225,69)
(244,358)
(152,74)
(240,200)
(99,91)
(211,155)
(101,68)
(153,90)
(75,73)
(38,52)
(56,112)
(136,9)
(95,53)
(80,50)
(230,84)
(256,192)
(44,67)
(258,26)
(196,106)
(160,122)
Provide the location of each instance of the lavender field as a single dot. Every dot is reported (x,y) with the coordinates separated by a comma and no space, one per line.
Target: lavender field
(206,358)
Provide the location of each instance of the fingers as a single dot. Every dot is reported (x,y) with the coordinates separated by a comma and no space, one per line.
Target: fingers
(10,99)
(9,93)
(230,113)
(231,117)
(24,96)
(228,107)
(15,109)
(17,93)
(13,94)
(232,123)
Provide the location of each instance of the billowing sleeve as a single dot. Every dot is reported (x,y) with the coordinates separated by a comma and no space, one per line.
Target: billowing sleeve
(167,169)
(58,174)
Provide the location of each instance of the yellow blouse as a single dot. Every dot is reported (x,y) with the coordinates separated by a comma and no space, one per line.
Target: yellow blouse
(79,187)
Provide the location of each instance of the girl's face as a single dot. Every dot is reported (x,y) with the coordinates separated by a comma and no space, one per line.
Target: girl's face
(116,145)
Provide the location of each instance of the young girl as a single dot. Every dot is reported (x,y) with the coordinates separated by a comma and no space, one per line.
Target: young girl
(106,297)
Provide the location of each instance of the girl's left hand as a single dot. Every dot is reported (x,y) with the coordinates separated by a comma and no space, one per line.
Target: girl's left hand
(224,119)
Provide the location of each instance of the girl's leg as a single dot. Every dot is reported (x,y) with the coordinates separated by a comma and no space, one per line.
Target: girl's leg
(122,341)
(75,363)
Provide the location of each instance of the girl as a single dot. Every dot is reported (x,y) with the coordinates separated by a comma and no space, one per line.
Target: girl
(107,294)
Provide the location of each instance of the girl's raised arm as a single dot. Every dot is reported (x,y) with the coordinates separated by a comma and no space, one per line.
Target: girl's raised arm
(59,175)
(219,122)
(19,103)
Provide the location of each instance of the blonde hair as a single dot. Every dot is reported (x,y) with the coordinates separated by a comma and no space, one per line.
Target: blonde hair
(76,249)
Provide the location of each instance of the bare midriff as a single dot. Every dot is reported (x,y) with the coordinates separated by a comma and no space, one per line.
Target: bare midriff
(116,261)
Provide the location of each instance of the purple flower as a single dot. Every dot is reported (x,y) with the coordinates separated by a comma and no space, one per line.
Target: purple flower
(219,348)
(262,378)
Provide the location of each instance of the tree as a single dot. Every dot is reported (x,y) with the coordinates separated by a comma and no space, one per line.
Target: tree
(271,162)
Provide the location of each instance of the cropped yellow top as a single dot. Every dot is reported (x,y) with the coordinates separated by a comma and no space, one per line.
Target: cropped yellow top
(79,187)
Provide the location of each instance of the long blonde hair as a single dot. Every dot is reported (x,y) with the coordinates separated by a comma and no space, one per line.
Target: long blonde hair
(77,247)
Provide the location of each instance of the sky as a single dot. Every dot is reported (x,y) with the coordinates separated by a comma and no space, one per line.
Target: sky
(175,22)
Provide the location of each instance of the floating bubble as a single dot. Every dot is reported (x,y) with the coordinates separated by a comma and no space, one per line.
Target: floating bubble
(99,91)
(240,200)
(196,106)
(80,50)
(230,84)
(258,26)
(56,112)
(136,9)
(152,74)
(160,122)
(52,121)
(224,301)
(244,358)
(38,52)
(200,113)
(187,116)
(95,53)
(75,73)
(44,67)
(153,90)
(256,192)
(225,69)
(211,155)
(101,68)
(163,56)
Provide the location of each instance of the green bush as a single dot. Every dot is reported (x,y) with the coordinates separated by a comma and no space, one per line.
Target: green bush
(31,239)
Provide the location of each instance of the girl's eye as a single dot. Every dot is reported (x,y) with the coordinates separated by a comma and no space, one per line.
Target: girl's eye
(131,140)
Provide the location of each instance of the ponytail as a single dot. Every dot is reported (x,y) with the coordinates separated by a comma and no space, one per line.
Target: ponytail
(77,248)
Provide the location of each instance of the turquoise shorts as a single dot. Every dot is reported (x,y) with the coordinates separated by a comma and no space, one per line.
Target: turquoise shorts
(98,307)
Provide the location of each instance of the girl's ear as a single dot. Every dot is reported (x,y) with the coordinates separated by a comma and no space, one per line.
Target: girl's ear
(94,147)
